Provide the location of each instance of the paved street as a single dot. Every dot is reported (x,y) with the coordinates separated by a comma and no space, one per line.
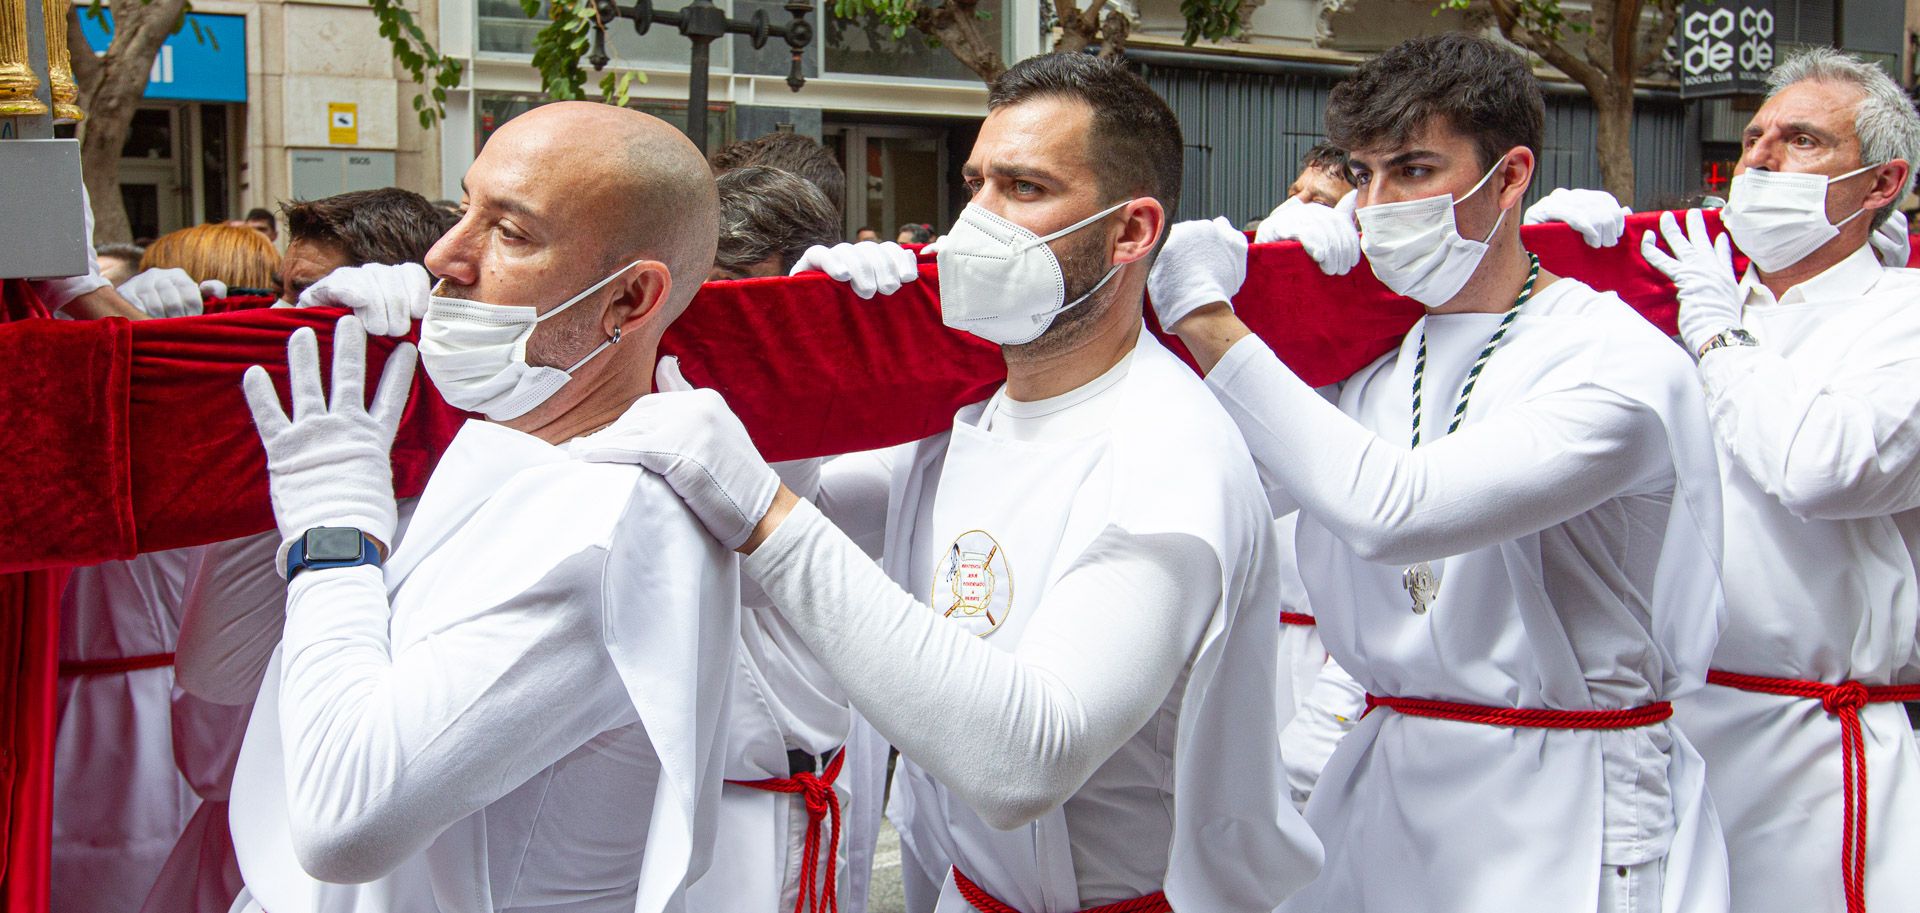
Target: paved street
(885,896)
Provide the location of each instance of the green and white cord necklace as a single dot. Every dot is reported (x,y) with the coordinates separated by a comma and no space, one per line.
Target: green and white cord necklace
(1418,579)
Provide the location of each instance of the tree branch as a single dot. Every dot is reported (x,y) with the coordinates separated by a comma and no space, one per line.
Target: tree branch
(1586,74)
(1656,37)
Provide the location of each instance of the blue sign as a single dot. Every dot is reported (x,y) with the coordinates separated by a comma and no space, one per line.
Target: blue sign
(205,61)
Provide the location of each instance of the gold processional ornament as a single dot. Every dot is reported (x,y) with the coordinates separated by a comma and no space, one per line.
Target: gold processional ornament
(18,82)
(66,95)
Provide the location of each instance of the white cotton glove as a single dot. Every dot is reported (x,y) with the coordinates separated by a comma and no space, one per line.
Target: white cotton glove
(388,298)
(329,464)
(163,293)
(801,476)
(1891,242)
(871,267)
(1702,270)
(1595,214)
(1204,261)
(1327,232)
(697,444)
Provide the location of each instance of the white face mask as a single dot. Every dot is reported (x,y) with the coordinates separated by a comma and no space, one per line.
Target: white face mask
(1779,217)
(476,353)
(1001,282)
(1415,248)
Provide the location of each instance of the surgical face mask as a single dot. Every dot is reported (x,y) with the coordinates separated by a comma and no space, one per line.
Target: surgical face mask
(1001,282)
(476,353)
(1415,248)
(1779,217)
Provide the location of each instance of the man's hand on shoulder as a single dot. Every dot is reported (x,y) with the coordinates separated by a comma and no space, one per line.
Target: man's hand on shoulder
(691,439)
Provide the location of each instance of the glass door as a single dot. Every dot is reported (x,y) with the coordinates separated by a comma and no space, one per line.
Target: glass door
(896,175)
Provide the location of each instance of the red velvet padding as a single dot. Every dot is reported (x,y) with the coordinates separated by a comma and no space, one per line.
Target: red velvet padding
(65,495)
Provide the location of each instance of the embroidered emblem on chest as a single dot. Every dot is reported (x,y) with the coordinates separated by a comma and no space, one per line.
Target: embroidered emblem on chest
(973,584)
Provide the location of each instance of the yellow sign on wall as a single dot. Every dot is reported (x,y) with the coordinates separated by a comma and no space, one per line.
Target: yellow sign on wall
(343,123)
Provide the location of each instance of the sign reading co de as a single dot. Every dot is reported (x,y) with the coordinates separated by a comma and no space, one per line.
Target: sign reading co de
(1726,47)
(206,60)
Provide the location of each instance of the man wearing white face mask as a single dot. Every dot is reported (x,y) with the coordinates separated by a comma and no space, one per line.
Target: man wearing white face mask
(1508,528)
(1070,636)
(518,705)
(1811,363)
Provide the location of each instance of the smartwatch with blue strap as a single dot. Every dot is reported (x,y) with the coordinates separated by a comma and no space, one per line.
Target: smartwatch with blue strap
(329,547)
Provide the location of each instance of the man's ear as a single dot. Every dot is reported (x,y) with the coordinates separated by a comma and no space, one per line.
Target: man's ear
(1515,176)
(641,299)
(1888,179)
(1142,223)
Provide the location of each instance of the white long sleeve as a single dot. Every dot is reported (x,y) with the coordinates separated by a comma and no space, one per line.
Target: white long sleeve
(1520,470)
(852,492)
(385,750)
(1014,734)
(1828,447)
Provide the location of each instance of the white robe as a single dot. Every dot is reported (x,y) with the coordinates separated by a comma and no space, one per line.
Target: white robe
(535,721)
(1164,463)
(1574,522)
(1819,433)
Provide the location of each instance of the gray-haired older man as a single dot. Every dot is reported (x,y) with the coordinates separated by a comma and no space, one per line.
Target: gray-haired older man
(1811,363)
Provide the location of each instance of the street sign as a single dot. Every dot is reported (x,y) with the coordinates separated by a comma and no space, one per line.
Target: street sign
(1726,47)
(343,123)
(206,60)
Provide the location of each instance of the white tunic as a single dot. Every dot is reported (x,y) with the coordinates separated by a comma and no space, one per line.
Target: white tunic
(1819,434)
(119,802)
(521,711)
(1578,518)
(1114,733)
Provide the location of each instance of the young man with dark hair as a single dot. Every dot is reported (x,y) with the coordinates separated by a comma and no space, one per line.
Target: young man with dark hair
(790,152)
(1523,589)
(262,221)
(1068,635)
(768,218)
(387,226)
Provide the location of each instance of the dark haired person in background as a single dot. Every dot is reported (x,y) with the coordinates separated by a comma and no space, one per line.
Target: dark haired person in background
(389,226)
(791,152)
(1523,589)
(1068,635)
(768,218)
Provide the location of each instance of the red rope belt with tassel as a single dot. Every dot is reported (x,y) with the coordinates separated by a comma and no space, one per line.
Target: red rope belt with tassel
(817,893)
(1843,701)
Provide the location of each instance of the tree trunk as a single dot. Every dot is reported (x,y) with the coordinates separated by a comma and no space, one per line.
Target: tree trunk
(1613,112)
(110,90)
(957,27)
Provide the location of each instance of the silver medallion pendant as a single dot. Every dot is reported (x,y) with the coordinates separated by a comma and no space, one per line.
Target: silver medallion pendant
(1420,585)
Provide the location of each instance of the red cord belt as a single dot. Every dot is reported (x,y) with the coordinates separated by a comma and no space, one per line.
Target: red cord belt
(116,665)
(1844,701)
(987,903)
(816,893)
(1298,618)
(1527,718)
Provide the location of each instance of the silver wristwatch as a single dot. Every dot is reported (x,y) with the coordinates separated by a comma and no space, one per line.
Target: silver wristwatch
(1731,337)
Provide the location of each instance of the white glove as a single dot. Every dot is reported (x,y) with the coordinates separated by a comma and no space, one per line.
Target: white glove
(1327,232)
(163,293)
(802,477)
(1891,241)
(1702,270)
(329,464)
(870,267)
(697,444)
(212,288)
(1203,262)
(1595,214)
(388,298)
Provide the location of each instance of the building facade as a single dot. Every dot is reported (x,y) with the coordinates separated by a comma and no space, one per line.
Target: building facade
(262,102)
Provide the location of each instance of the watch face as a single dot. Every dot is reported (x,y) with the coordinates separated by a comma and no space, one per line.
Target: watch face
(333,543)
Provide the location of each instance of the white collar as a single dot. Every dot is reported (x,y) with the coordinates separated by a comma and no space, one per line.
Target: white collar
(1849,279)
